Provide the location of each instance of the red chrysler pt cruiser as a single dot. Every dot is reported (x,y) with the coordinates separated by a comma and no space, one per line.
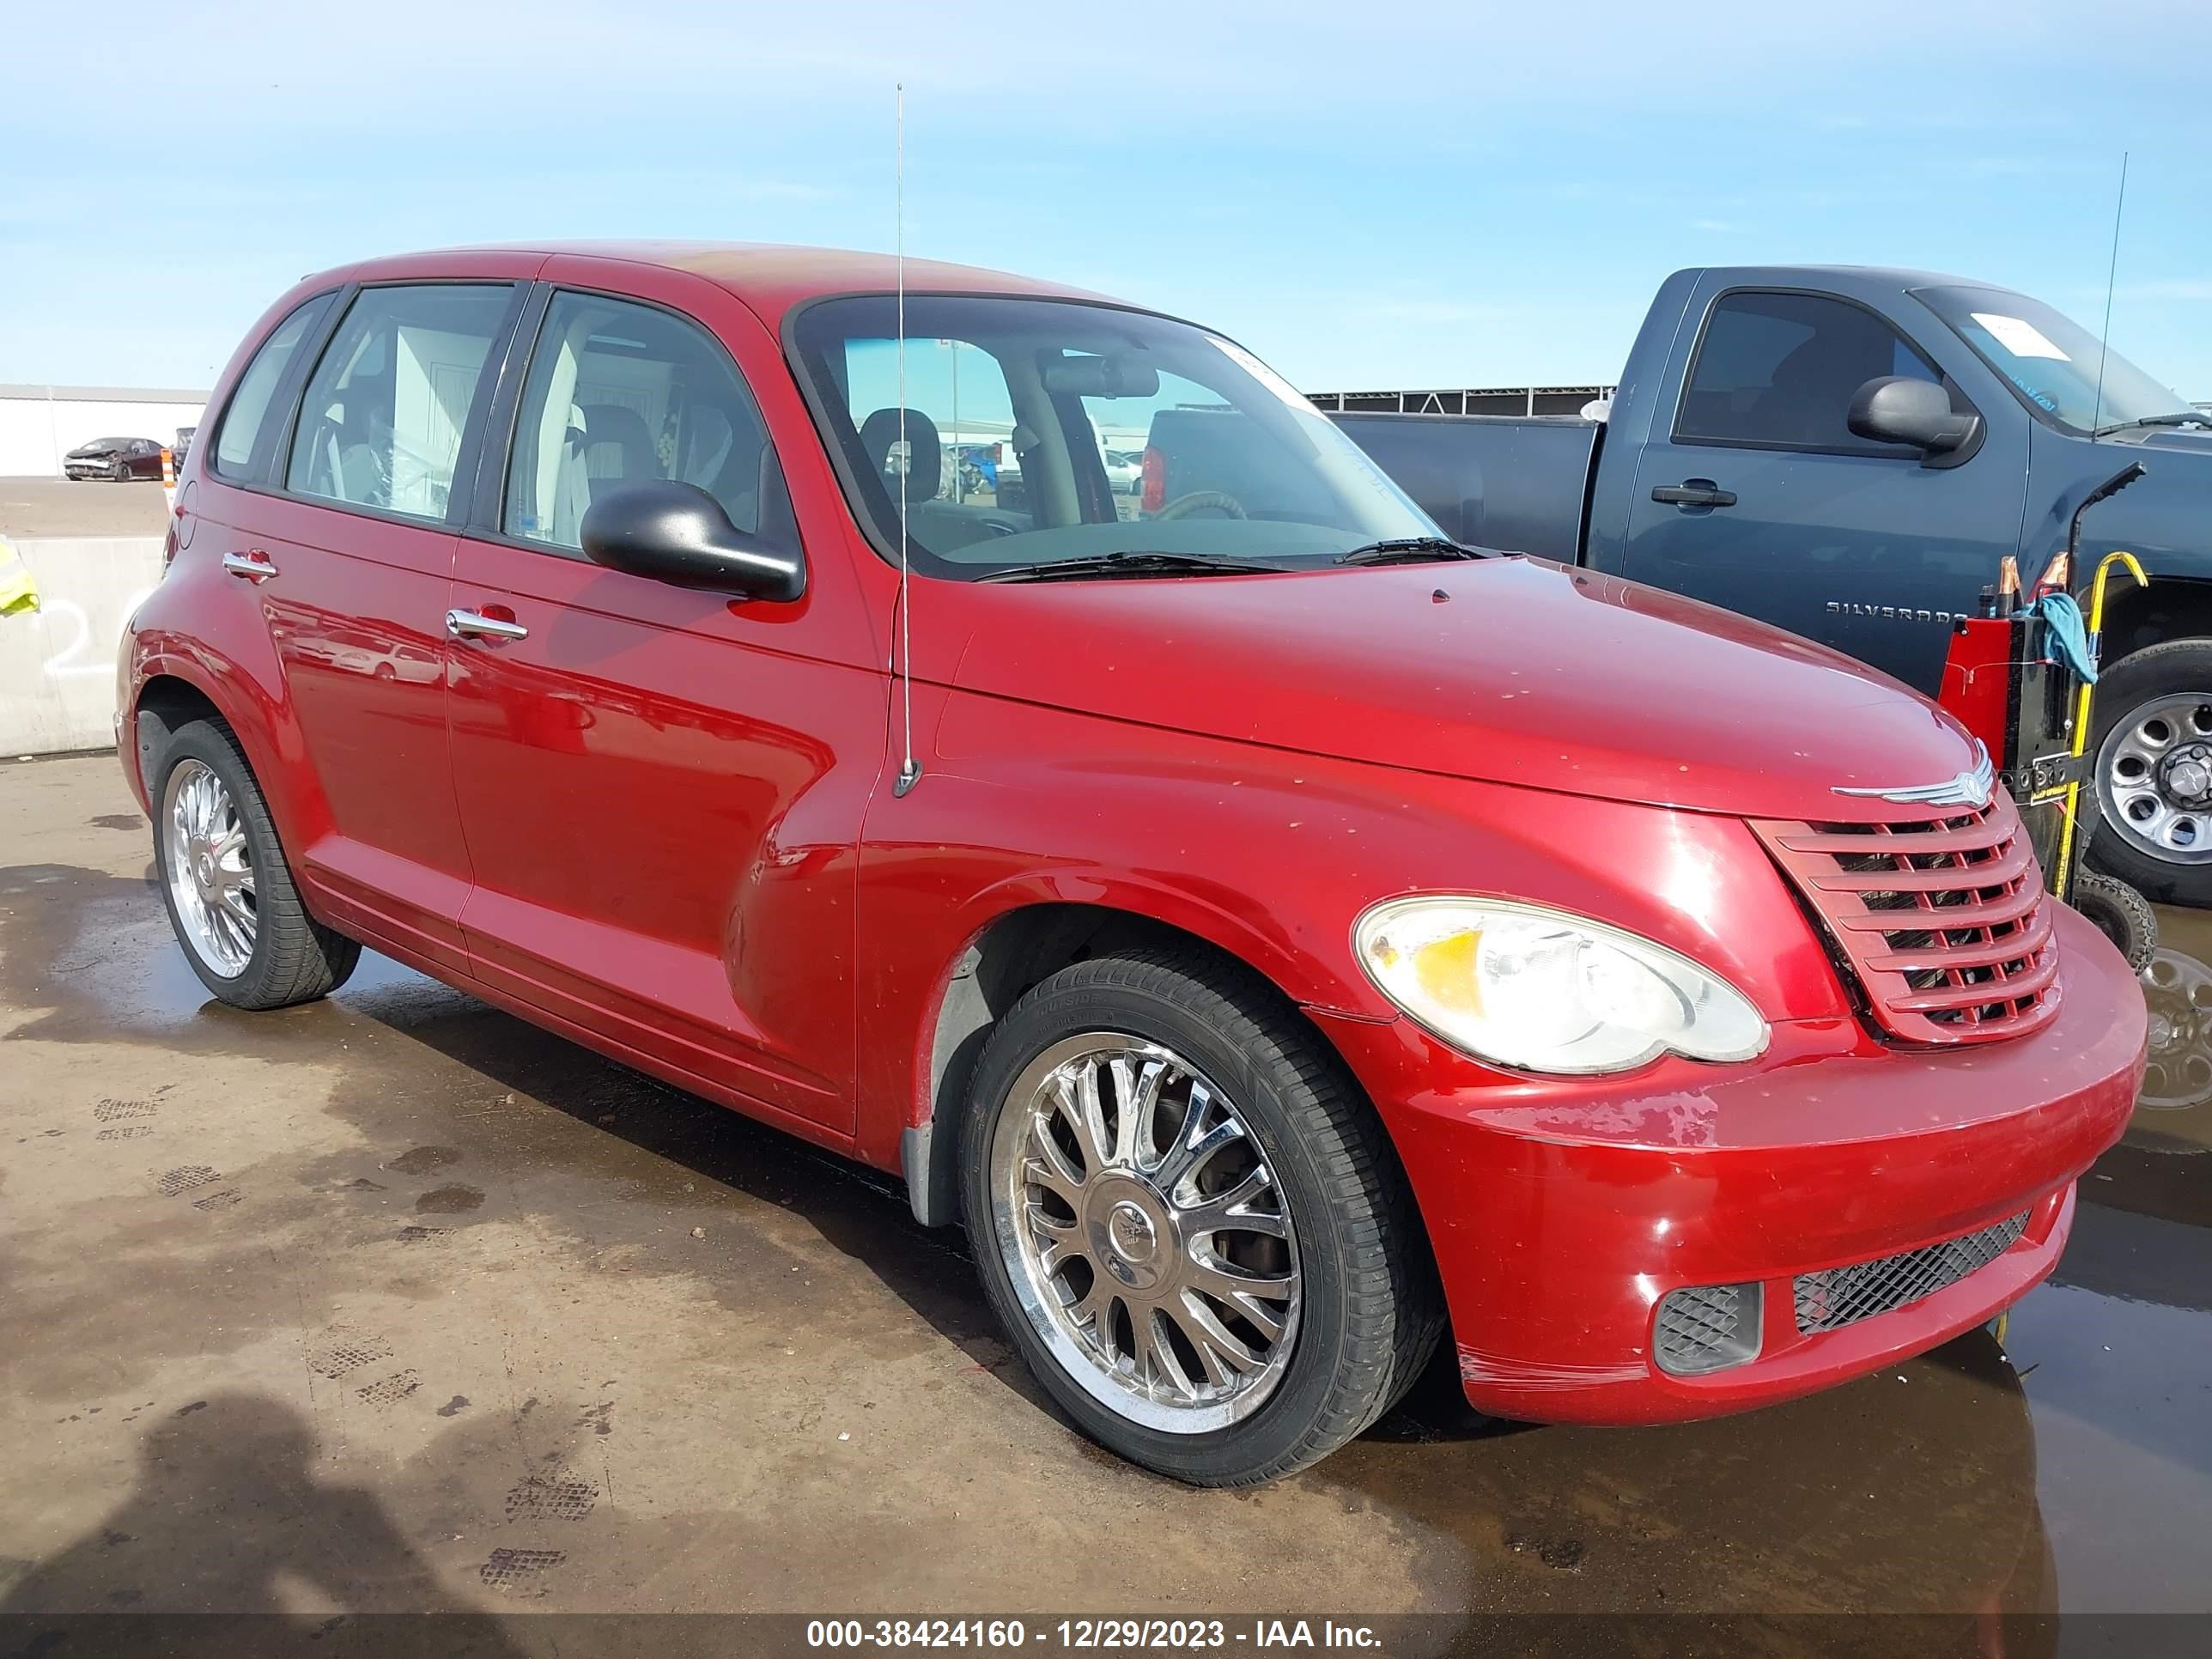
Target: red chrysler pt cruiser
(1282,937)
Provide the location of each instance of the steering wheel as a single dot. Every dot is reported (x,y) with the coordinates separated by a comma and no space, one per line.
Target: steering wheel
(1228,506)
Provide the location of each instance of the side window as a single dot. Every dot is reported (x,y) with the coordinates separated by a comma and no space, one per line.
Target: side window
(621,393)
(1782,370)
(381,420)
(241,432)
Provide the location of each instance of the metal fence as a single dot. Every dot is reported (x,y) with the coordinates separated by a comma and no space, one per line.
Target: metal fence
(1464,400)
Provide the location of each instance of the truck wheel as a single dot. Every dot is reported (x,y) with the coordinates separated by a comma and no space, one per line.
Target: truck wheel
(2121,913)
(2152,753)
(1190,1221)
(224,880)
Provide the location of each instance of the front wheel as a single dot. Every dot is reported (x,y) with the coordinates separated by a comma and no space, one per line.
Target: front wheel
(119,472)
(1191,1222)
(2152,751)
(225,882)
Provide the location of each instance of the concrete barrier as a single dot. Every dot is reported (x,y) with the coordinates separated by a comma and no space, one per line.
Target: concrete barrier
(57,663)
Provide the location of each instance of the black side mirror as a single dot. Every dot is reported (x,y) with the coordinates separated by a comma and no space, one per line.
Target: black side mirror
(677,533)
(1895,409)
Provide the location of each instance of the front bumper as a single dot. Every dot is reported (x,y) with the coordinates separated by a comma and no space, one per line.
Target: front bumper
(1561,1213)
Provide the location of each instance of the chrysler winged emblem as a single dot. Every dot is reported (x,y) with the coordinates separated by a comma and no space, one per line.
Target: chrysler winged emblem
(1969,788)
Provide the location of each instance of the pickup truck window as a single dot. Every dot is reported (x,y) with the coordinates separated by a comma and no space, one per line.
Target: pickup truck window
(2049,360)
(1014,407)
(1777,370)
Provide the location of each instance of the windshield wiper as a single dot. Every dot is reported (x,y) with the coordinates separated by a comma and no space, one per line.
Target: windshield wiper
(2179,418)
(1150,564)
(1411,550)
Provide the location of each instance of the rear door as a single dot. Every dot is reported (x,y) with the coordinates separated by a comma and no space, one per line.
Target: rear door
(348,548)
(1756,496)
(662,787)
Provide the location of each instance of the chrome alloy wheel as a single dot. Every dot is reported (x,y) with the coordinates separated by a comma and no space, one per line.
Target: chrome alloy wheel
(1146,1235)
(2177,1074)
(210,868)
(2154,773)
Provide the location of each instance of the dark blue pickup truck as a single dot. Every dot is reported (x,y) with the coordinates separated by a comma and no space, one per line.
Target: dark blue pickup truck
(1849,453)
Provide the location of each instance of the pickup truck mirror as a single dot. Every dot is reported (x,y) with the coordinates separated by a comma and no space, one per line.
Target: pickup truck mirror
(1895,409)
(677,533)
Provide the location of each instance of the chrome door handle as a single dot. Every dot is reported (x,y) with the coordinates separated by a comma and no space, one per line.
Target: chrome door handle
(470,625)
(253,564)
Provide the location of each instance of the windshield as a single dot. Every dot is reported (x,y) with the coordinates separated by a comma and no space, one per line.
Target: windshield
(1038,431)
(2051,360)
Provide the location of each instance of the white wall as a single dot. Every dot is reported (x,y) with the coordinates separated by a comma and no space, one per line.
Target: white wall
(36,431)
(57,663)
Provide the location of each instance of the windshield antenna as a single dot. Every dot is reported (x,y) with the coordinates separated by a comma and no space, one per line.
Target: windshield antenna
(909,772)
(2105,350)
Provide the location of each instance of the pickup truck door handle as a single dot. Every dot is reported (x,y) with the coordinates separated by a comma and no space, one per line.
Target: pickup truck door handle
(1694,492)
(253,564)
(474,624)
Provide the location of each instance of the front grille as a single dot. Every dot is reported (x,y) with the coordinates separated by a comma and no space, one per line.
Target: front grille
(1836,1297)
(1707,1328)
(1943,920)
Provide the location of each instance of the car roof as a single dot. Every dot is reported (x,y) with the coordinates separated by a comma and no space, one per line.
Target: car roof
(770,277)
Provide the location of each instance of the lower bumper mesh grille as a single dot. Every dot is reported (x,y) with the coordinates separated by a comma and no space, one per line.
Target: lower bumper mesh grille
(1836,1297)
(1708,1327)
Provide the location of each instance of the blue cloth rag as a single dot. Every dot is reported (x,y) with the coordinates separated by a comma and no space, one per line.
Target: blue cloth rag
(2070,634)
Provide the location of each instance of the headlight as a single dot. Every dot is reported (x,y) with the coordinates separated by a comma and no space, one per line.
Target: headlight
(1547,992)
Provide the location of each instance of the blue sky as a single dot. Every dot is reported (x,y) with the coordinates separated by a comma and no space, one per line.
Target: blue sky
(1367,196)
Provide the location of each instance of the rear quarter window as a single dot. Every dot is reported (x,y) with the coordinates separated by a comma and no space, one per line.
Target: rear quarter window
(238,438)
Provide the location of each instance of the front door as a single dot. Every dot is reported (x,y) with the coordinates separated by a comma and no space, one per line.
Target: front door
(662,787)
(1759,498)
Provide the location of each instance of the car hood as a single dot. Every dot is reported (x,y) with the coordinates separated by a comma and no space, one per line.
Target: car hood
(92,451)
(1510,671)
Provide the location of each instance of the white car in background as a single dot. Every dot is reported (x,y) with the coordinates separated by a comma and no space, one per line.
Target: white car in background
(1125,470)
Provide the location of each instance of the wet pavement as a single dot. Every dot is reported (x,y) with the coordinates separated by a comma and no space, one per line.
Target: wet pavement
(395,1303)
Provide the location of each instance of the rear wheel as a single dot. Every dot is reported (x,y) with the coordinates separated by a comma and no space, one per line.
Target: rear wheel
(1190,1221)
(225,882)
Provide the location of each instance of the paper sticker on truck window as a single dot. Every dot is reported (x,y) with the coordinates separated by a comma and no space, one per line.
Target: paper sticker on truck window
(2019,337)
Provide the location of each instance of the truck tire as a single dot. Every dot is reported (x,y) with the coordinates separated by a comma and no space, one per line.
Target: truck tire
(1190,1220)
(2150,753)
(2121,914)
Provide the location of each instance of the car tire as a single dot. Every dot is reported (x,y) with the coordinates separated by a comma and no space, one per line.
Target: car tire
(1361,1314)
(225,883)
(119,472)
(2173,681)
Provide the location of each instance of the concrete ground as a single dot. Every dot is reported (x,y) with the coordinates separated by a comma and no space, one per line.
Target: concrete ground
(395,1303)
(56,507)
